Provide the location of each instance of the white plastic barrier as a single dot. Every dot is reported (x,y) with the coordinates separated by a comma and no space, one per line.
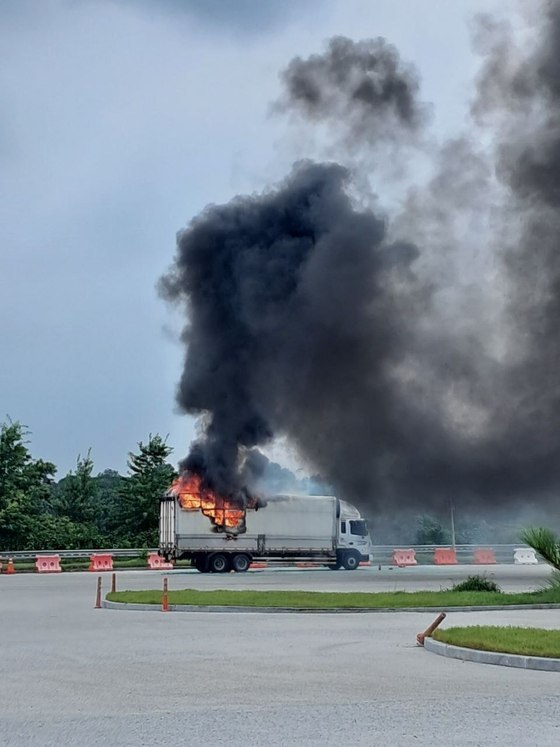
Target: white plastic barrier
(524,556)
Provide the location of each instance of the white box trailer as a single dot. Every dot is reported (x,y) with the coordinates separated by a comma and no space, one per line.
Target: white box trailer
(282,528)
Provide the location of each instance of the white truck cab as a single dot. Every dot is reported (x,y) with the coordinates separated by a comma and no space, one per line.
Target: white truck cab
(353,531)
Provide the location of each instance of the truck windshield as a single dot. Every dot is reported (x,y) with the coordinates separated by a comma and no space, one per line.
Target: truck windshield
(359,528)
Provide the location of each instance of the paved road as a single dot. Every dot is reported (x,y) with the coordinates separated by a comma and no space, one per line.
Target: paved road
(508,577)
(72,675)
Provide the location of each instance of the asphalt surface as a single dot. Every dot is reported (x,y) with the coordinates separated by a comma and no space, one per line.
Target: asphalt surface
(74,675)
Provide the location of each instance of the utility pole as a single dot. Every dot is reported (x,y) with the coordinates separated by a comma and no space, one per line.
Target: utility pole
(452,511)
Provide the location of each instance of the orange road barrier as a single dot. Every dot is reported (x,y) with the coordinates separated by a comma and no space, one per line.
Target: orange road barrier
(101,562)
(402,558)
(164,599)
(98,596)
(47,563)
(307,564)
(429,630)
(256,564)
(10,567)
(156,562)
(484,556)
(445,556)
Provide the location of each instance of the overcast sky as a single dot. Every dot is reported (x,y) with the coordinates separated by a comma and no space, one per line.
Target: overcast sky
(120,120)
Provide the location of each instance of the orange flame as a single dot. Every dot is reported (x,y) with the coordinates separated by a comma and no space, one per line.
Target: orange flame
(193,497)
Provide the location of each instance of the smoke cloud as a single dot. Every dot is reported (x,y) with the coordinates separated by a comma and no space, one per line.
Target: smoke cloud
(291,318)
(409,359)
(362,90)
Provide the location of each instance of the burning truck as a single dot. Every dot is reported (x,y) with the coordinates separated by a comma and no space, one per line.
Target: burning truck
(220,535)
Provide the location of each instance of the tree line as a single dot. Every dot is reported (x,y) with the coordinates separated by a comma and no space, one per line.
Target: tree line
(81,510)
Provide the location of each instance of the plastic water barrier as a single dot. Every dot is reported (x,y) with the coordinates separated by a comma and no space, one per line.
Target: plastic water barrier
(524,556)
(48,564)
(445,556)
(484,556)
(101,562)
(156,562)
(402,558)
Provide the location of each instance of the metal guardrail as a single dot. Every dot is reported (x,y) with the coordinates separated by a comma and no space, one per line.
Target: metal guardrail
(116,552)
(381,553)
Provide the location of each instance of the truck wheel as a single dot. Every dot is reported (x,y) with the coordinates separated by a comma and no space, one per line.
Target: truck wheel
(350,560)
(201,564)
(240,563)
(218,563)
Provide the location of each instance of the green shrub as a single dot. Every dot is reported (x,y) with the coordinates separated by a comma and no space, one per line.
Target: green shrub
(545,542)
(477,583)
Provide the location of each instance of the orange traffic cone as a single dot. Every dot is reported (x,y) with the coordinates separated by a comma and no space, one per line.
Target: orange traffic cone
(10,567)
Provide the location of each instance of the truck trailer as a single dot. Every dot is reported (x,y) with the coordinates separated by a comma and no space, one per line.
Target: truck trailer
(286,528)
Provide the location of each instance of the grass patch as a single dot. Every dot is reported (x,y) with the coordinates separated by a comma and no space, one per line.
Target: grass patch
(327,600)
(506,640)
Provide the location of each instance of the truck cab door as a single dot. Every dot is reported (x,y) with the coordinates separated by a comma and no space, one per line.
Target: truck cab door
(343,533)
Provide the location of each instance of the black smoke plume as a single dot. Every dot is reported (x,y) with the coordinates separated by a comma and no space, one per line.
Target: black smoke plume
(361,89)
(291,317)
(317,320)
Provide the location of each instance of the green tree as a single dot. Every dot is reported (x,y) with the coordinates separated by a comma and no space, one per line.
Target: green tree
(75,494)
(74,506)
(25,489)
(107,496)
(430,531)
(149,476)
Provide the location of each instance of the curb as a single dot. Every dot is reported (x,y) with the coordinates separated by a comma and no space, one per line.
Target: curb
(320,611)
(541,663)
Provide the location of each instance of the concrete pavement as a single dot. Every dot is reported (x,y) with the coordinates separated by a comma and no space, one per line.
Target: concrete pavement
(73,675)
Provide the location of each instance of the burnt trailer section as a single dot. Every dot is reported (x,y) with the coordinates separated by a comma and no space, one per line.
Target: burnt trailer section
(281,528)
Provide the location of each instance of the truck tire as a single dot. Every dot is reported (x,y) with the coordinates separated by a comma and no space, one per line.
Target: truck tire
(240,563)
(201,563)
(333,566)
(218,563)
(350,560)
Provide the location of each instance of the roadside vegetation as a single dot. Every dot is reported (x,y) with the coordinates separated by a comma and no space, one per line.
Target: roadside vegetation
(477,583)
(507,640)
(81,510)
(546,544)
(344,600)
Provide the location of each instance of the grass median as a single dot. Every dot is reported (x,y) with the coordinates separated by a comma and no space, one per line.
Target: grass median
(504,640)
(340,600)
